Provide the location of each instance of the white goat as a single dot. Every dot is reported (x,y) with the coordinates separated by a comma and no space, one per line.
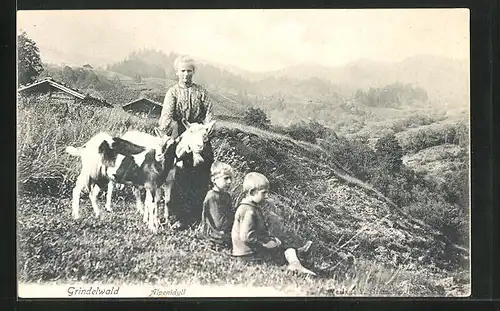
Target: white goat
(136,158)
(104,158)
(93,174)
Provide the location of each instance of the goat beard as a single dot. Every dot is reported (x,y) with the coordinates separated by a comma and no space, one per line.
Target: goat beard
(197,158)
(159,156)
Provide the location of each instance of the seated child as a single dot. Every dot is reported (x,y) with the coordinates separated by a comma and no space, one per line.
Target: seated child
(250,237)
(217,217)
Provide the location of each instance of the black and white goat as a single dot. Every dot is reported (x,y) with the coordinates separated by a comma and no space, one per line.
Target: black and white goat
(107,159)
(189,153)
(136,158)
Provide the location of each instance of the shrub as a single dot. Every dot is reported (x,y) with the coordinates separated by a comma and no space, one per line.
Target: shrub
(349,124)
(280,129)
(309,131)
(256,117)
(456,188)
(301,131)
(444,206)
(437,205)
(319,129)
(389,152)
(450,219)
(434,135)
(462,135)
(412,121)
(353,155)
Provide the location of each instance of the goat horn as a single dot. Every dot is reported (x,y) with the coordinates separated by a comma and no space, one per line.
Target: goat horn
(210,126)
(158,132)
(185,123)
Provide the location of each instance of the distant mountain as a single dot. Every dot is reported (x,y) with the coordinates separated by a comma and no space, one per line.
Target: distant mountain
(445,80)
(301,91)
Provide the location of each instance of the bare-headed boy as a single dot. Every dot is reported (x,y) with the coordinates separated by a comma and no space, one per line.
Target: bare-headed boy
(217,215)
(250,237)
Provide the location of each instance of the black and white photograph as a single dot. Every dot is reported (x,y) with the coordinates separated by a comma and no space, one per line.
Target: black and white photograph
(243,153)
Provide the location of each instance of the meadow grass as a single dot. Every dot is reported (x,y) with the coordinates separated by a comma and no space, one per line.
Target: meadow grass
(360,247)
(118,249)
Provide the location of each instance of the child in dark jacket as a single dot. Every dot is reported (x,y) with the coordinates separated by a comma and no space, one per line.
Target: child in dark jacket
(217,215)
(250,237)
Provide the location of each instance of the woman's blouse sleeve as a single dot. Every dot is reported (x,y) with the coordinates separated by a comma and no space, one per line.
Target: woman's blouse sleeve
(167,112)
(208,103)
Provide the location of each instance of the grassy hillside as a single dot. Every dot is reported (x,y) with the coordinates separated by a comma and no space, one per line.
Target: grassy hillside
(307,91)
(397,108)
(363,244)
(437,161)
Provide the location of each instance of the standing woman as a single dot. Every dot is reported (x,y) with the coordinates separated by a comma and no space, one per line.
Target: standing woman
(185,100)
(189,101)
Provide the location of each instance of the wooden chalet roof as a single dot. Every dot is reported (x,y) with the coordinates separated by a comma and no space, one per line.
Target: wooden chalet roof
(55,84)
(139,99)
(63,88)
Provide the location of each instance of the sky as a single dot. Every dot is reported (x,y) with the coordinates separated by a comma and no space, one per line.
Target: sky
(255,40)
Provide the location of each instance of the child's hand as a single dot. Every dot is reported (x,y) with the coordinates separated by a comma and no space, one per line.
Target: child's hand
(277,241)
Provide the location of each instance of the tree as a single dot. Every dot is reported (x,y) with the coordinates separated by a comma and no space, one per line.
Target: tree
(256,117)
(302,131)
(29,63)
(68,75)
(389,152)
(319,129)
(138,78)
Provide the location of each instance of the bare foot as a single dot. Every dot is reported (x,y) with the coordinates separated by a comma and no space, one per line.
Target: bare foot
(305,249)
(299,268)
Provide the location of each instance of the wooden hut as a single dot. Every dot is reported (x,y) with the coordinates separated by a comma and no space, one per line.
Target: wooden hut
(143,107)
(59,92)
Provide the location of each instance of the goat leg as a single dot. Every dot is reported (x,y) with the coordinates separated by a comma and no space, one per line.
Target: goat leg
(166,201)
(94,192)
(80,184)
(167,191)
(138,200)
(160,193)
(109,195)
(155,213)
(150,206)
(145,215)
